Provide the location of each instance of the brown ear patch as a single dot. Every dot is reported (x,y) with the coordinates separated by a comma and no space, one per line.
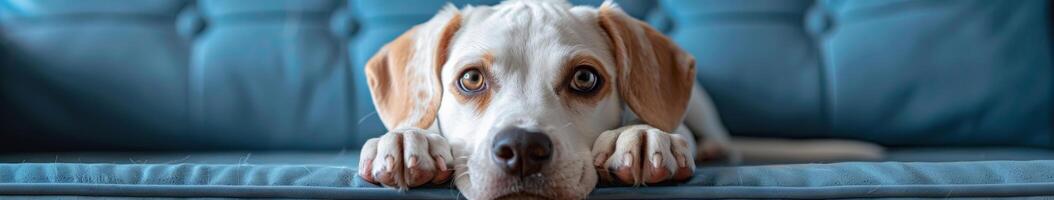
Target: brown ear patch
(389,80)
(655,77)
(399,87)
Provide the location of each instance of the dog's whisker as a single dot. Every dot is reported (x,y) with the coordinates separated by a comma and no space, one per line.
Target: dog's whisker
(364,117)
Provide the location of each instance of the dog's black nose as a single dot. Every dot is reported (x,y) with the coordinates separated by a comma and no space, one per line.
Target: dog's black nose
(520,152)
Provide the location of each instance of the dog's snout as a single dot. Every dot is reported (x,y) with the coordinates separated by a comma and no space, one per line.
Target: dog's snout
(521,152)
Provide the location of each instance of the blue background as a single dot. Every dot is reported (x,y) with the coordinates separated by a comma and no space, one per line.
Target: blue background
(273,74)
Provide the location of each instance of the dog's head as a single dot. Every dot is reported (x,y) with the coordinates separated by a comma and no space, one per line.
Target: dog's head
(521,90)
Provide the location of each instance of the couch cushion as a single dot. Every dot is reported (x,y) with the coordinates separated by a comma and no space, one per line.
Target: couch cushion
(970,72)
(178,74)
(270,75)
(332,175)
(38,8)
(901,72)
(946,154)
(350,157)
(332,158)
(94,73)
(757,61)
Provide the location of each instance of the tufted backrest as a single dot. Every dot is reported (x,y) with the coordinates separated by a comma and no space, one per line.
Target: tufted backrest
(97,73)
(756,59)
(964,72)
(175,74)
(205,74)
(288,74)
(897,72)
(271,74)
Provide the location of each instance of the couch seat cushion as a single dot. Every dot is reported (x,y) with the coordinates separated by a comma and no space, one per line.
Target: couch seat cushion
(1006,173)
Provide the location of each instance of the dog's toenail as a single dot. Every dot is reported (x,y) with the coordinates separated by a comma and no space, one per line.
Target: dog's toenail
(599,160)
(681,161)
(389,165)
(656,160)
(441,163)
(627,160)
(412,162)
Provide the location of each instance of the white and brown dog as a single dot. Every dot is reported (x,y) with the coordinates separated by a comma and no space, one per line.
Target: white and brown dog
(537,99)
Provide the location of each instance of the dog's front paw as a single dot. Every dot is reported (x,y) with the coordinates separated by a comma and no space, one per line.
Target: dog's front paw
(640,154)
(406,158)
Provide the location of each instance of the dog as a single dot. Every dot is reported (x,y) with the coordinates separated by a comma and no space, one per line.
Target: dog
(538,99)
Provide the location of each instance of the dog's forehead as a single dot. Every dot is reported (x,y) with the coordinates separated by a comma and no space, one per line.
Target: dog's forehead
(526,35)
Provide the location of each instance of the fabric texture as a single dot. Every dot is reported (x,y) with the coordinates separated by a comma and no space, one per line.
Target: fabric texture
(925,172)
(839,180)
(350,157)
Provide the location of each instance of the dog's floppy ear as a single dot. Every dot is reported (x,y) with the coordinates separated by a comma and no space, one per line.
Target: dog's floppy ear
(404,75)
(655,77)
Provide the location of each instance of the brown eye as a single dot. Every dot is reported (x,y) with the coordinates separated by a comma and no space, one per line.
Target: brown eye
(472,81)
(584,80)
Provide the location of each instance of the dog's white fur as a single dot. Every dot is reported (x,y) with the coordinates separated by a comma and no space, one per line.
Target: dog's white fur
(436,135)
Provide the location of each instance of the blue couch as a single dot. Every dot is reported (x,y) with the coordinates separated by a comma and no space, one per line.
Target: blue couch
(266,98)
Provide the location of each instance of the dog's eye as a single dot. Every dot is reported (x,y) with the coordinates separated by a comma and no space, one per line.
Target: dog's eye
(584,80)
(472,81)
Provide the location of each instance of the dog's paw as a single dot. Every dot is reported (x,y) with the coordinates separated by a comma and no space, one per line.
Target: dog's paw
(406,158)
(641,154)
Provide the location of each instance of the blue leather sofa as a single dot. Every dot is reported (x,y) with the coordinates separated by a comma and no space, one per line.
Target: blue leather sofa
(267,98)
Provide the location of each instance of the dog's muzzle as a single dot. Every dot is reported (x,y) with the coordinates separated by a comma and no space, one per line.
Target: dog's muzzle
(521,153)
